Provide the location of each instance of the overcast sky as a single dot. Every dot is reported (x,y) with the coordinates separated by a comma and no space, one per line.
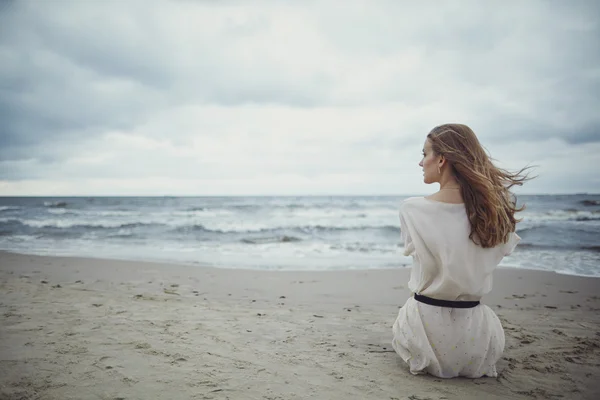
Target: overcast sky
(268,97)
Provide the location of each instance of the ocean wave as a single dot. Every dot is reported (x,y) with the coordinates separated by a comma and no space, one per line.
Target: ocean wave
(585,218)
(591,248)
(562,247)
(55,204)
(325,228)
(245,206)
(592,274)
(9,208)
(195,209)
(307,229)
(122,233)
(187,225)
(112,213)
(330,213)
(229,220)
(273,239)
(199,213)
(271,206)
(361,247)
(94,213)
(310,209)
(6,221)
(70,224)
(60,211)
(562,215)
(590,202)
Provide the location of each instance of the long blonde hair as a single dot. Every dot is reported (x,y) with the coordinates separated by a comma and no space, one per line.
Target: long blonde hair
(485,188)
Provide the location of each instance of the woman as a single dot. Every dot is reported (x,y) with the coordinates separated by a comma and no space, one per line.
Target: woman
(456,237)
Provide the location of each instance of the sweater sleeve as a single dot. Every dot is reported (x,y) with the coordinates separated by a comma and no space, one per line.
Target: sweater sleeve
(509,246)
(409,247)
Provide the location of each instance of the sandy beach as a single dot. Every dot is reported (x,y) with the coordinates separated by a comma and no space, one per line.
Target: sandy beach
(75,328)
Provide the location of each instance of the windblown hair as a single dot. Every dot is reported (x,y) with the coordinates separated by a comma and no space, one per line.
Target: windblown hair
(485,188)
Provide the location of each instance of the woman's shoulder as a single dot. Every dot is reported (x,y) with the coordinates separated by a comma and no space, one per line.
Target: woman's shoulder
(411,200)
(429,206)
(411,203)
(422,201)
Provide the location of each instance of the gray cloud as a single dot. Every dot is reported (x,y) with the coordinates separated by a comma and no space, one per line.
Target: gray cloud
(362,83)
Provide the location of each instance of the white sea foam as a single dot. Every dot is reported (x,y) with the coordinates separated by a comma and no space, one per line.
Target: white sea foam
(9,208)
(560,215)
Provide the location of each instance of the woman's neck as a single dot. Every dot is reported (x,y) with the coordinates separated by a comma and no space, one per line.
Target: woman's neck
(449,183)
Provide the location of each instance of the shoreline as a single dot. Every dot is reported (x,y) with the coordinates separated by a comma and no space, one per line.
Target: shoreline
(82,328)
(274,270)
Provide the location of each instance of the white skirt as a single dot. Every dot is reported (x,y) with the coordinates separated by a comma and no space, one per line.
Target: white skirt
(448,342)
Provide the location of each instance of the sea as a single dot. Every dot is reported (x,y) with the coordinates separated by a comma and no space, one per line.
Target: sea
(559,232)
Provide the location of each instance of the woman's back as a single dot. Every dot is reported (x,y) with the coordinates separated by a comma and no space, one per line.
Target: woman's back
(448,264)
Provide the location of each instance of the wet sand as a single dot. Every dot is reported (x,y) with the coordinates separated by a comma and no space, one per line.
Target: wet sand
(76,328)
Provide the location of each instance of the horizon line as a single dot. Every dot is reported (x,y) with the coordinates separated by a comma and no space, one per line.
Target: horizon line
(281,195)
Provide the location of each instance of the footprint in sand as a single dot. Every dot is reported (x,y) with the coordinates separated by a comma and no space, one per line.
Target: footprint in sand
(519,296)
(178,360)
(104,363)
(109,365)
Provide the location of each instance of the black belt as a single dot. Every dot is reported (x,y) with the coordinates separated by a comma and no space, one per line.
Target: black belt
(445,303)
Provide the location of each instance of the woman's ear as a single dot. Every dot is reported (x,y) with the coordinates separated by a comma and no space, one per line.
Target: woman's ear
(441,161)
